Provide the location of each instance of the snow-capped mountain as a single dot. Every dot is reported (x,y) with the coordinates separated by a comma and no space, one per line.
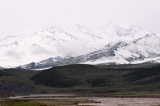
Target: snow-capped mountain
(142,50)
(62,43)
(107,51)
(137,51)
(147,46)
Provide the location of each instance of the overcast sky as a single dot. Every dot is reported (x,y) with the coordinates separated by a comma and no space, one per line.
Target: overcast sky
(26,16)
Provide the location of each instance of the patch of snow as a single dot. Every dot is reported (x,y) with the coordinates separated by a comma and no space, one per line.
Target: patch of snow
(39,69)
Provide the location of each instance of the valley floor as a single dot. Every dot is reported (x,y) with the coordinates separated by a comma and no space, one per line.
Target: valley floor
(76,100)
(126,102)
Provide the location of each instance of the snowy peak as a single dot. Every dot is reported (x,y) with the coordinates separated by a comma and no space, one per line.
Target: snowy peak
(113,53)
(122,31)
(146,47)
(151,35)
(56,33)
(149,39)
(57,41)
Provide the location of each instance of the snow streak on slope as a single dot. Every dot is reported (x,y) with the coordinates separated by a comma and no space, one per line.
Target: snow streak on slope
(63,42)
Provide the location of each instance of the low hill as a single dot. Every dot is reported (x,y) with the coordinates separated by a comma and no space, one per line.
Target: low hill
(80,78)
(16,81)
(101,79)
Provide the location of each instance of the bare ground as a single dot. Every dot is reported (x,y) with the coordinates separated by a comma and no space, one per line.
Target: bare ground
(126,102)
(101,101)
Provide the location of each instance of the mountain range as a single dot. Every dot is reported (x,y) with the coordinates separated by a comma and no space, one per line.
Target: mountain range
(114,43)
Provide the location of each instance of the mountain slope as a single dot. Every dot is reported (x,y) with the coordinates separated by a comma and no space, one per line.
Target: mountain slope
(63,41)
(145,49)
(137,51)
(107,51)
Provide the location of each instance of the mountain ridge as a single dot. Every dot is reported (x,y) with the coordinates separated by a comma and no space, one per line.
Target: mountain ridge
(113,53)
(61,41)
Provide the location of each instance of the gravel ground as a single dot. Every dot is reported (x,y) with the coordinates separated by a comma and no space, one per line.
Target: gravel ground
(103,101)
(126,102)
